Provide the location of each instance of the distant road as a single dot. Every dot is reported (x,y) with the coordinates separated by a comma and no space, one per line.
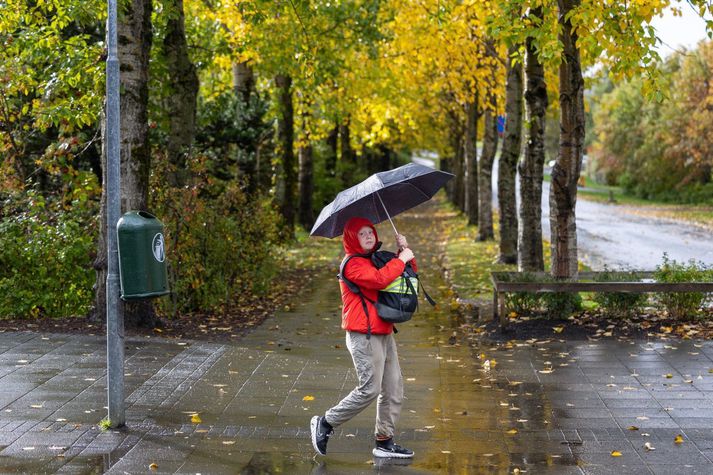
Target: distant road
(609,235)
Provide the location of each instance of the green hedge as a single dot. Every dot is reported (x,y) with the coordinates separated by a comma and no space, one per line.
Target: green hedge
(45,264)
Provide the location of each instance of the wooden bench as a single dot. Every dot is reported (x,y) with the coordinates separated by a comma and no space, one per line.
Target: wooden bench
(506,282)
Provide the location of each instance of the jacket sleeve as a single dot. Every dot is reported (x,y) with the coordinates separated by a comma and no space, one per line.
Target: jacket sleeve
(365,275)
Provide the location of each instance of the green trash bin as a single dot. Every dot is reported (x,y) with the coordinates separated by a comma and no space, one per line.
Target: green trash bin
(142,256)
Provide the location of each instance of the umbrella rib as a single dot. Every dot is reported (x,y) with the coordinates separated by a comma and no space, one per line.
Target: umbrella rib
(428,197)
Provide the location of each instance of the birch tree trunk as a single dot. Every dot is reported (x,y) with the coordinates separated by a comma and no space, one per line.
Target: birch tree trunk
(287,192)
(507,165)
(565,173)
(485,175)
(243,82)
(530,256)
(183,86)
(134,40)
(470,158)
(249,153)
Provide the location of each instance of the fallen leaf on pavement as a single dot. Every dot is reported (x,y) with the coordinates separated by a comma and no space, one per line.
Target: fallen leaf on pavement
(615,453)
(196,419)
(678,439)
(308,398)
(153,466)
(633,428)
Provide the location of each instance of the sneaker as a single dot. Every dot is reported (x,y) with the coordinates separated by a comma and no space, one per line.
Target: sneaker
(320,434)
(387,448)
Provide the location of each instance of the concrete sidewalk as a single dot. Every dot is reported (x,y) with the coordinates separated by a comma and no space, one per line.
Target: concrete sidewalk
(541,407)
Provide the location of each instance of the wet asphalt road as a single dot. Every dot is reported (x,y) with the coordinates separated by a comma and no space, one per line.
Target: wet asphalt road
(615,236)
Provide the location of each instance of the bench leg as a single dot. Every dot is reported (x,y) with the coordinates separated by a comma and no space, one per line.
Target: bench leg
(501,311)
(495,305)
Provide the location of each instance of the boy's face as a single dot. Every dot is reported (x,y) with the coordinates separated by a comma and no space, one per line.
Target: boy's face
(367,240)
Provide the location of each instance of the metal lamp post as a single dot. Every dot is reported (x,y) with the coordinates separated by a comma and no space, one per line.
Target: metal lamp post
(114,309)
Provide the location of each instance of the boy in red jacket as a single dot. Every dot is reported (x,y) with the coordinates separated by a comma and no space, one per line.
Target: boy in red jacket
(370,341)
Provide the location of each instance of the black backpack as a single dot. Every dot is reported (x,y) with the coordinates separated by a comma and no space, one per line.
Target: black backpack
(399,300)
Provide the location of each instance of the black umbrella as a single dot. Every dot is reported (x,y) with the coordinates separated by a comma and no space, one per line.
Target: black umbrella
(379,197)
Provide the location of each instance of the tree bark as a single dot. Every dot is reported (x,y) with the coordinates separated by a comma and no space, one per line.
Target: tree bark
(470,158)
(248,153)
(243,82)
(485,175)
(385,158)
(507,165)
(306,178)
(134,40)
(456,135)
(330,162)
(565,173)
(531,168)
(287,192)
(183,86)
(346,152)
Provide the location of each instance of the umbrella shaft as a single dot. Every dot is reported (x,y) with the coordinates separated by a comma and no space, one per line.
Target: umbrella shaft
(387,213)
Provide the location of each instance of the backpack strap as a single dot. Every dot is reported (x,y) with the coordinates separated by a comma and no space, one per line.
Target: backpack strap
(355,289)
(425,294)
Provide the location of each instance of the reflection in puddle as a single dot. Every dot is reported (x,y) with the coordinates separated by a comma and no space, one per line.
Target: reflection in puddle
(265,463)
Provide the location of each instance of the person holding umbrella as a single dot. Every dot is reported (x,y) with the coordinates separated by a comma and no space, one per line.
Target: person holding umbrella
(370,341)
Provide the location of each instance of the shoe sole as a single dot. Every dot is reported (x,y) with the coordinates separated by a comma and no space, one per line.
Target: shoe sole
(392,455)
(313,430)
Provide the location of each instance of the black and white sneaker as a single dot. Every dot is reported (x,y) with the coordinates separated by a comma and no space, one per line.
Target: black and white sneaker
(321,431)
(387,448)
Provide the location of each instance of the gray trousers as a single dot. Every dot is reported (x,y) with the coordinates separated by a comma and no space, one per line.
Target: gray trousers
(377,367)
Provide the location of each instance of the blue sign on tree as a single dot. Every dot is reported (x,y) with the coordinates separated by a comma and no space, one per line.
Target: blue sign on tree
(501,125)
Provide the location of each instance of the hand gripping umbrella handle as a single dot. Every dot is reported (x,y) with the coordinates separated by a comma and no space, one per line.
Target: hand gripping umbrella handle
(387,213)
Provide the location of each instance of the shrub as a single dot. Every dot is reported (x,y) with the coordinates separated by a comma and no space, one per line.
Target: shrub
(619,303)
(45,259)
(682,305)
(561,304)
(220,244)
(524,303)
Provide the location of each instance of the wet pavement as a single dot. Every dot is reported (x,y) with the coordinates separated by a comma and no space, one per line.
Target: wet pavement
(193,407)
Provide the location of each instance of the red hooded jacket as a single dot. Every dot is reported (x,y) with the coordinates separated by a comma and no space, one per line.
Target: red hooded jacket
(362,272)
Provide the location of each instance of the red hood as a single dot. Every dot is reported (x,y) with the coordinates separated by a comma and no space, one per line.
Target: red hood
(351,240)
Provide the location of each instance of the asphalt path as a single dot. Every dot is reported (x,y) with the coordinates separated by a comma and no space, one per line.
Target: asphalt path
(615,236)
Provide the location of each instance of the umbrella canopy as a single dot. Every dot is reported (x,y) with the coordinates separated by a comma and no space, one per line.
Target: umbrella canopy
(379,197)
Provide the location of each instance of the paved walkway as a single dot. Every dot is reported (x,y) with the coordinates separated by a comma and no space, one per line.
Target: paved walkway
(541,407)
